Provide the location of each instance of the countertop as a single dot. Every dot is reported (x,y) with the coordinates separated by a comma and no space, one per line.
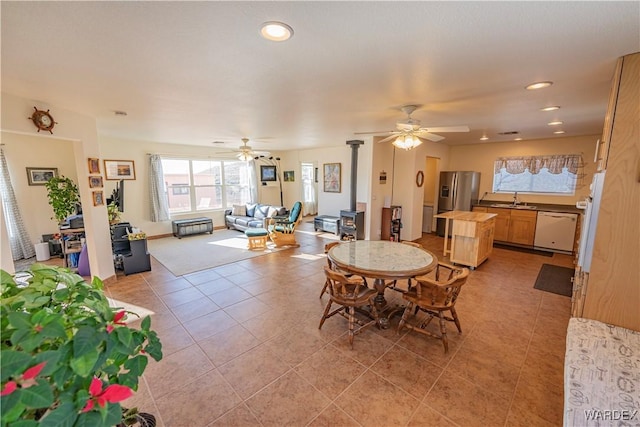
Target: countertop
(542,207)
(467,216)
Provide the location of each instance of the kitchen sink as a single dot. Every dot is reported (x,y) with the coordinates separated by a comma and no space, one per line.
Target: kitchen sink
(510,206)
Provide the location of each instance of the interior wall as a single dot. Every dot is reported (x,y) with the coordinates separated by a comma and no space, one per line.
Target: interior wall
(430,180)
(481,157)
(23,151)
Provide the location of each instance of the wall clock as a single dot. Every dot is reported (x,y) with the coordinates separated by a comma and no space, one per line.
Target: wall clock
(43,120)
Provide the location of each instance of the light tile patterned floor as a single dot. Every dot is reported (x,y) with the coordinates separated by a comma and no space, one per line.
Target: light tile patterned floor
(242,347)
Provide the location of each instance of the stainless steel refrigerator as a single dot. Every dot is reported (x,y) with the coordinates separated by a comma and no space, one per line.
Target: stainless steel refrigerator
(457,191)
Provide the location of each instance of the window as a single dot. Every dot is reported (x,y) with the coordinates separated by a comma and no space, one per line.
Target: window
(557,174)
(194,184)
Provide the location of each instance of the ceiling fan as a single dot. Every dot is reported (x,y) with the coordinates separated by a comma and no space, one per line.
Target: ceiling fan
(245,152)
(409,134)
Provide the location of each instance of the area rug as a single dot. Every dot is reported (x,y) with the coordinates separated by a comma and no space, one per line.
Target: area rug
(525,250)
(203,251)
(555,279)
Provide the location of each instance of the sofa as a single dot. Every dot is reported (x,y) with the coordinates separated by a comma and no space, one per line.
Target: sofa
(601,375)
(251,215)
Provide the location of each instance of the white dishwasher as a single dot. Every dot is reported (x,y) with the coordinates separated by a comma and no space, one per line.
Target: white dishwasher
(555,231)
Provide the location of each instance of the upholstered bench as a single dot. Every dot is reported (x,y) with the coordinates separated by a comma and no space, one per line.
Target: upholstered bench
(187,227)
(257,237)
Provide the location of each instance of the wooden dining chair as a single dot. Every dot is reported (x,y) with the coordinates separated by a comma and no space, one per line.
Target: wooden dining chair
(349,293)
(394,284)
(332,266)
(435,294)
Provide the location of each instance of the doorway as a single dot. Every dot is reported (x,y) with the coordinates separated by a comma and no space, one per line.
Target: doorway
(309,189)
(432,166)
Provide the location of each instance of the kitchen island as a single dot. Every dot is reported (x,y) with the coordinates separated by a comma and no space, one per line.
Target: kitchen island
(471,236)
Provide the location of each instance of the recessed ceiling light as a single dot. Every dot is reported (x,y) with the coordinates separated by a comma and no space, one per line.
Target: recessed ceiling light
(276,31)
(551,108)
(518,139)
(555,123)
(538,85)
(559,132)
(484,138)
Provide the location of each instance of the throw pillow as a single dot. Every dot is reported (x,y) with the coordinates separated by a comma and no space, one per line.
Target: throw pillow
(261,211)
(273,211)
(239,210)
(251,208)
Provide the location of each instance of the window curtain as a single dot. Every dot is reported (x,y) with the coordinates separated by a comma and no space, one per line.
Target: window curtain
(21,246)
(159,202)
(310,205)
(253,183)
(555,164)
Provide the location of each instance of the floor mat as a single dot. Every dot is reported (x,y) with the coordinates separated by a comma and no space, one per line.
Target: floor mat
(525,250)
(555,279)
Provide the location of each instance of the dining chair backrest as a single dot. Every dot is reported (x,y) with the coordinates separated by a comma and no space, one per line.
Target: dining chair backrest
(441,290)
(343,289)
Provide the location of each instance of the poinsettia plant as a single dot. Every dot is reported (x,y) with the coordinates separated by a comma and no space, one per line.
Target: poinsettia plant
(67,358)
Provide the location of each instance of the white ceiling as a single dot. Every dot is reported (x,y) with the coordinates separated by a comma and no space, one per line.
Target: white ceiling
(196,72)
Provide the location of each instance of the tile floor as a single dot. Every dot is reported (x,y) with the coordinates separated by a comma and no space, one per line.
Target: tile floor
(242,348)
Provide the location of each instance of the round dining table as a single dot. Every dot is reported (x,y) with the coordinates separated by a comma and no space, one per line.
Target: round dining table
(383,261)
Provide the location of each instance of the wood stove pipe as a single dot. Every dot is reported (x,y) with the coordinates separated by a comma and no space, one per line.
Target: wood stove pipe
(355,144)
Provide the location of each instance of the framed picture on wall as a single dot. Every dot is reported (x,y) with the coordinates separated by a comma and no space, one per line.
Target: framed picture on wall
(95,182)
(119,169)
(332,178)
(267,173)
(93,165)
(98,198)
(40,176)
(289,176)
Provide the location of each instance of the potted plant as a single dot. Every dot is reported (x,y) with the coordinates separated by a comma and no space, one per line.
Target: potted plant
(113,213)
(66,356)
(63,196)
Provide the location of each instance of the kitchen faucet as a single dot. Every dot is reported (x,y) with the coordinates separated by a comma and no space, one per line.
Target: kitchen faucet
(515,198)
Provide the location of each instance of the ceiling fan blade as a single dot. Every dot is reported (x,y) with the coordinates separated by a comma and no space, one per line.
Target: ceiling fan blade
(389,138)
(372,133)
(463,128)
(430,136)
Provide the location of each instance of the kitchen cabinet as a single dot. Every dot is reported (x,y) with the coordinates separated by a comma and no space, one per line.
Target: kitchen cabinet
(609,292)
(479,209)
(471,236)
(502,223)
(522,227)
(514,225)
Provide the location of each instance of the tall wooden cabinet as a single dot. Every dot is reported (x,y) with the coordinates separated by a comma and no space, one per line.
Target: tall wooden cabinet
(610,292)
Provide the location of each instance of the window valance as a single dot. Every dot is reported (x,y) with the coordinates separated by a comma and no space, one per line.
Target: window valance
(554,163)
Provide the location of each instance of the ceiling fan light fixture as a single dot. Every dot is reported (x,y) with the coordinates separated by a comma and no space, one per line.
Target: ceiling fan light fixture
(550,108)
(559,132)
(245,156)
(484,138)
(407,142)
(555,123)
(276,31)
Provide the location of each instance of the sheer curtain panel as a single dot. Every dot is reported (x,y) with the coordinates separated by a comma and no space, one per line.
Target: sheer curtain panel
(159,202)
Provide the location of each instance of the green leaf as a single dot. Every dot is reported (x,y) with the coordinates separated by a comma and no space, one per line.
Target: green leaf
(64,415)
(54,330)
(125,337)
(146,323)
(137,365)
(12,408)
(85,341)
(25,423)
(84,364)
(13,363)
(51,357)
(20,335)
(20,320)
(37,396)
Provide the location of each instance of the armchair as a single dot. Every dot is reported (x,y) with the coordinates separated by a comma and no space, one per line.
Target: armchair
(281,230)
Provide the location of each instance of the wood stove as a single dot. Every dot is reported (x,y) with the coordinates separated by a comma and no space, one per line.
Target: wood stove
(351,225)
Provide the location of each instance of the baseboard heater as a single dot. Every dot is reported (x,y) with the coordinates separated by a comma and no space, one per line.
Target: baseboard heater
(188,227)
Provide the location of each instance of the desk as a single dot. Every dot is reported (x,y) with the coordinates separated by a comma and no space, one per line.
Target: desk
(382,260)
(471,236)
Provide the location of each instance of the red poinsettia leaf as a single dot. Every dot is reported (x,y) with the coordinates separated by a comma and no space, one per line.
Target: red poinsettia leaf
(88,406)
(109,328)
(101,401)
(119,315)
(33,372)
(9,388)
(96,387)
(116,393)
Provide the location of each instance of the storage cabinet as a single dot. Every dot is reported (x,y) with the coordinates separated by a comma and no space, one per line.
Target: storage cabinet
(472,240)
(391,223)
(610,291)
(522,227)
(515,226)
